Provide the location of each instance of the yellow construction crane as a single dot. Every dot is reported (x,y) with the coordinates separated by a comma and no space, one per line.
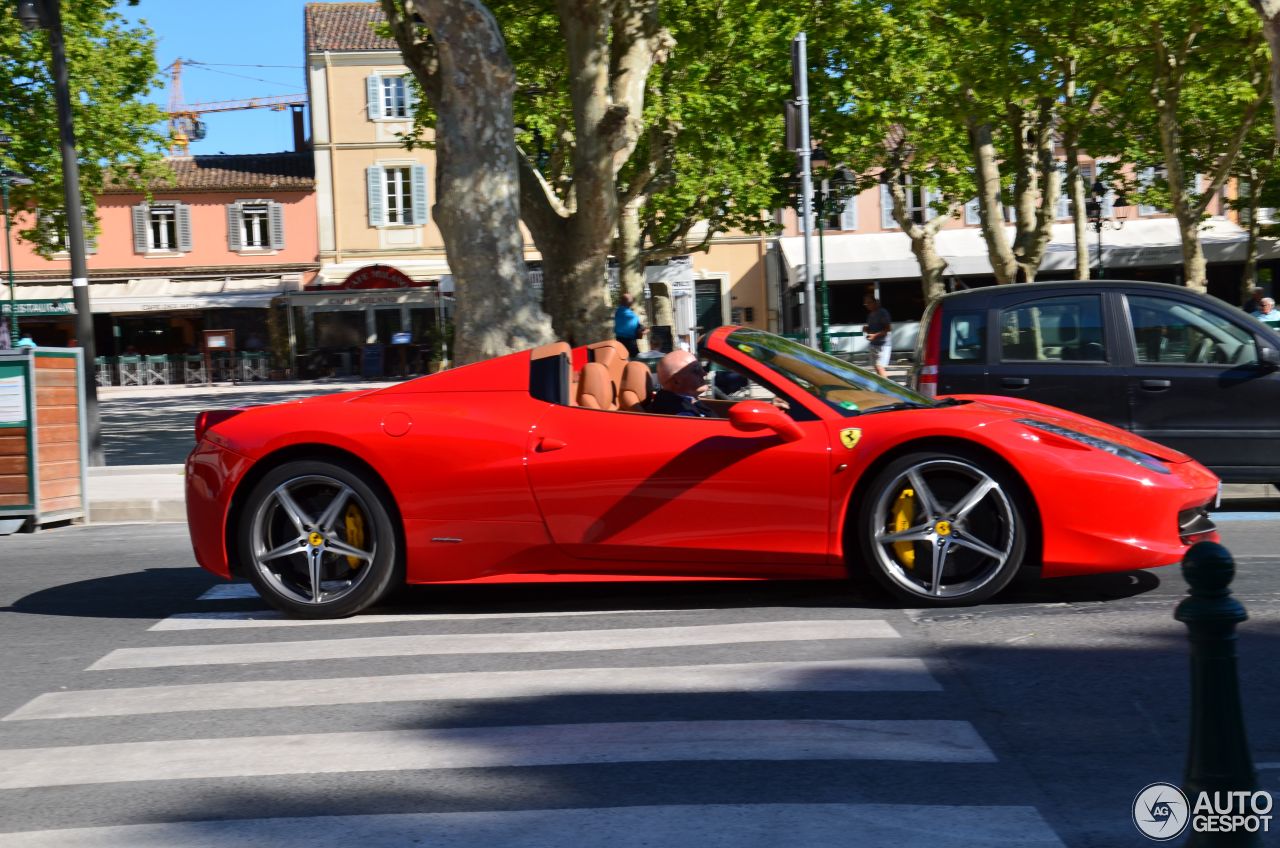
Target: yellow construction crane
(185,125)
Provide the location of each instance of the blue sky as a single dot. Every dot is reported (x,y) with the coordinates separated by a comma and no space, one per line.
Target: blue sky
(227,34)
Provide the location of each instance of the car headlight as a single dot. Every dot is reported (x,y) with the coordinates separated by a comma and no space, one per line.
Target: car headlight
(1135,456)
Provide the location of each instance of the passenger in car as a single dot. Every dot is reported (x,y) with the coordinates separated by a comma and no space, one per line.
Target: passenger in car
(683,380)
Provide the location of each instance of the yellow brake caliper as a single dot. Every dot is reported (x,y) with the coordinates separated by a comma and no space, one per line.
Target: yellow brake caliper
(355,533)
(904,511)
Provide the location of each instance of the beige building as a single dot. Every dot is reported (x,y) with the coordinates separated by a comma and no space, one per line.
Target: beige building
(373,198)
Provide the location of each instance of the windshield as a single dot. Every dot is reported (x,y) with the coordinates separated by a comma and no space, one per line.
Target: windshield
(843,387)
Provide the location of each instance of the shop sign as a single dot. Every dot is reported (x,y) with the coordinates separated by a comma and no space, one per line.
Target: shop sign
(13,395)
(378,277)
(38,307)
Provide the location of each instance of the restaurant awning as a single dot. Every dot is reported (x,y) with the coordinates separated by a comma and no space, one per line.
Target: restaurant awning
(1140,243)
(160,294)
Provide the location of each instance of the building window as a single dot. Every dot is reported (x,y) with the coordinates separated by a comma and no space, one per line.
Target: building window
(52,229)
(389,97)
(919,204)
(162,228)
(255,225)
(397,195)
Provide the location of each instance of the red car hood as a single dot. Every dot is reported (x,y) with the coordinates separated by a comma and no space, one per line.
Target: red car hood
(1017,408)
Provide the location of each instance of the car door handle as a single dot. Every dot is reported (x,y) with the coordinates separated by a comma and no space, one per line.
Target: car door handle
(1156,385)
(547,444)
(1015,382)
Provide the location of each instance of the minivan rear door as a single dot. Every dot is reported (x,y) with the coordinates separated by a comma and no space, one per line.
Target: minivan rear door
(1197,383)
(1057,349)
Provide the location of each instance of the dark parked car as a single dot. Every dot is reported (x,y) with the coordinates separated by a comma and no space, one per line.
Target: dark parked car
(1166,362)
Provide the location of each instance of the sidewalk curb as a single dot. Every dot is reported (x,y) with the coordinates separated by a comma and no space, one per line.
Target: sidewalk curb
(130,494)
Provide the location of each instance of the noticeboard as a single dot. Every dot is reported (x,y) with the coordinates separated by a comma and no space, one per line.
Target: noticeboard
(219,340)
(13,395)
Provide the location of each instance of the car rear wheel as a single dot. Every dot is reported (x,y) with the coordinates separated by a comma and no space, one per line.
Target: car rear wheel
(317,540)
(943,528)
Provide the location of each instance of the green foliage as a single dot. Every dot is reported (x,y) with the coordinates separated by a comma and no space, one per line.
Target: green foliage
(111,66)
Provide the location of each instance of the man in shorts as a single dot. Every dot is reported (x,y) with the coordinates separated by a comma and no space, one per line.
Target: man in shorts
(877,332)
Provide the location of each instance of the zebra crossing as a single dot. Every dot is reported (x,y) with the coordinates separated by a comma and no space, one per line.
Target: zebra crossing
(767,726)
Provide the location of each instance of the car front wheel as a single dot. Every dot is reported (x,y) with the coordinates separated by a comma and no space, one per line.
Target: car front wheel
(943,528)
(317,540)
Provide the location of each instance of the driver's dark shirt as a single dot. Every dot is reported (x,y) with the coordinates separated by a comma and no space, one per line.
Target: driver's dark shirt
(670,403)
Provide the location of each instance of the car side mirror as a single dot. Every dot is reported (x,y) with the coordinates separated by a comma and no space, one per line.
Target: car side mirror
(1269,357)
(752,415)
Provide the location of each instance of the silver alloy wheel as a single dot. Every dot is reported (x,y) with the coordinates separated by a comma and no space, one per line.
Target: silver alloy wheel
(962,524)
(302,542)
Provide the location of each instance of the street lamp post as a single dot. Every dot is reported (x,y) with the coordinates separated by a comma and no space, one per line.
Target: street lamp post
(47,15)
(1093,208)
(8,178)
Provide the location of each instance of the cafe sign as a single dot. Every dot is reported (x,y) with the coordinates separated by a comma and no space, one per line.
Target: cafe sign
(37,307)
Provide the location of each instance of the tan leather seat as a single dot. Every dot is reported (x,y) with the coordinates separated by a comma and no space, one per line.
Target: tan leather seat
(612,355)
(595,389)
(636,387)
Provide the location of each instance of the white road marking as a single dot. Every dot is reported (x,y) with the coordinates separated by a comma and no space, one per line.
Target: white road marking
(229,591)
(709,826)
(494,747)
(496,643)
(856,675)
(273,618)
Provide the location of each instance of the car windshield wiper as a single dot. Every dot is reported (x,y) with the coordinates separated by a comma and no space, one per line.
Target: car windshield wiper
(911,404)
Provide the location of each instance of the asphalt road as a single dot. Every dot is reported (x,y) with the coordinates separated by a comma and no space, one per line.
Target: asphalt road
(708,714)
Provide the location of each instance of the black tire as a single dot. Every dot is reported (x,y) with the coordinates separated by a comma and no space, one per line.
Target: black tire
(953,511)
(296,547)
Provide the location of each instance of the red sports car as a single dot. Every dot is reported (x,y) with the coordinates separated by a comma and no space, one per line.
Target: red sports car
(545,464)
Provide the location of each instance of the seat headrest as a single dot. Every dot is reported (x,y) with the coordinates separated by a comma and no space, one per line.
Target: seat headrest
(636,387)
(595,389)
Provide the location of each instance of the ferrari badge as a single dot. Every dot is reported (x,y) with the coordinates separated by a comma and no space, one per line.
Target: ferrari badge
(849,437)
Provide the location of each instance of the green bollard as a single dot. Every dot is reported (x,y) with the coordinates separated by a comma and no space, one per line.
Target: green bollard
(1218,758)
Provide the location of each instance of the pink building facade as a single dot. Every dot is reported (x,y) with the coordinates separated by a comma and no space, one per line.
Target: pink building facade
(213,249)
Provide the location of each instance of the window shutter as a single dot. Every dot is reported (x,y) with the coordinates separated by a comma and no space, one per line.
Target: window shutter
(182,212)
(886,209)
(410,95)
(235,227)
(849,213)
(419,195)
(377,209)
(275,212)
(140,235)
(373,92)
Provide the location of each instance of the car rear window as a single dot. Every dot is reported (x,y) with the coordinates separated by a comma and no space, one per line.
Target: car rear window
(1053,329)
(964,336)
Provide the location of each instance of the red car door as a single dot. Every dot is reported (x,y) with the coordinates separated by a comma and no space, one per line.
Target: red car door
(631,486)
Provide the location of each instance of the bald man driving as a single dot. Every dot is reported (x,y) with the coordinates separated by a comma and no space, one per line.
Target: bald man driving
(683,380)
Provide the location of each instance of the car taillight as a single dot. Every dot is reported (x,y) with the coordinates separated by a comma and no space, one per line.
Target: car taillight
(210,417)
(927,373)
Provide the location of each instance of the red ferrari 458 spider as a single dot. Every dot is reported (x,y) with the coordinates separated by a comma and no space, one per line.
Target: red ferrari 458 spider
(546,464)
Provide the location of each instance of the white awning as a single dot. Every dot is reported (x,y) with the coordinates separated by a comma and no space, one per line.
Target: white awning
(1140,243)
(418,270)
(157,294)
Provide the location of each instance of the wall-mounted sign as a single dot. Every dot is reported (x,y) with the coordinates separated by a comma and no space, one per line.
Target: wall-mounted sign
(378,277)
(219,340)
(38,307)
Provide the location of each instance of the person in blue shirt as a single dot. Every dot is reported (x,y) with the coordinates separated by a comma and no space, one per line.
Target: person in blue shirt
(1268,314)
(626,325)
(26,341)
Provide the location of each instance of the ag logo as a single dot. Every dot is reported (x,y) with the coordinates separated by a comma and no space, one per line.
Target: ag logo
(849,437)
(1161,812)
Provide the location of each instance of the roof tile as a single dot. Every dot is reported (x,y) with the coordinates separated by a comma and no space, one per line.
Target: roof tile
(277,171)
(345,26)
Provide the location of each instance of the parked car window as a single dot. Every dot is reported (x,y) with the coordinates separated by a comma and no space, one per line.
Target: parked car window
(966,336)
(1053,329)
(1173,331)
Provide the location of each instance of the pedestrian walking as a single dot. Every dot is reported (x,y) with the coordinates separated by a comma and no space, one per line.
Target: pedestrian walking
(877,331)
(626,325)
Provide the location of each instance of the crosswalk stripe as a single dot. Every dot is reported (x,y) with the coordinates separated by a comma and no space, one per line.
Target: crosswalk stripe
(708,826)
(855,675)
(492,747)
(273,618)
(487,643)
(229,592)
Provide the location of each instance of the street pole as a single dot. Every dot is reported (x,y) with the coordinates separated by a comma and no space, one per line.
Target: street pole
(48,16)
(822,270)
(800,75)
(8,262)
(1097,228)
